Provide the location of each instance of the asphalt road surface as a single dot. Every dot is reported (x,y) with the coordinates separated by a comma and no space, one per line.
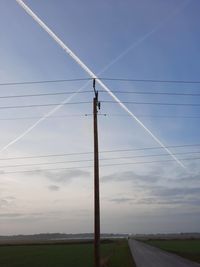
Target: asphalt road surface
(148,256)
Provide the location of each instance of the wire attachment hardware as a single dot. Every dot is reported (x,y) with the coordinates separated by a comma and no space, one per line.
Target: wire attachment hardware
(96,93)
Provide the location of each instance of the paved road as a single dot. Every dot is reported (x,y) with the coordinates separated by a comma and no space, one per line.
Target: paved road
(148,256)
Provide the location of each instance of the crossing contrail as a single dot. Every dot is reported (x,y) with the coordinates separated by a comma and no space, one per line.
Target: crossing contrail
(92,75)
(48,114)
(147,35)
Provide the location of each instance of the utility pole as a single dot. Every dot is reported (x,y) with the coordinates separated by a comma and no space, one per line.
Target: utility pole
(96,107)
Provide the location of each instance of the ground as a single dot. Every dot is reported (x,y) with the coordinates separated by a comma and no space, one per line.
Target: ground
(189,249)
(63,255)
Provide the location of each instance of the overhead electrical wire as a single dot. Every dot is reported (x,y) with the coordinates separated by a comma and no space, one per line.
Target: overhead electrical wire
(103,165)
(101,115)
(153,103)
(156,116)
(154,93)
(99,78)
(44,81)
(100,91)
(51,117)
(44,105)
(149,80)
(103,101)
(101,152)
(101,159)
(43,94)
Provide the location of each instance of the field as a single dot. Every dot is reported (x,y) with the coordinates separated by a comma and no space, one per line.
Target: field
(63,255)
(189,249)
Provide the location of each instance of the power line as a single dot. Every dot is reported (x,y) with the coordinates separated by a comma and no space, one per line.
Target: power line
(37,117)
(51,117)
(44,81)
(45,105)
(105,165)
(153,93)
(101,115)
(153,103)
(102,152)
(89,102)
(155,116)
(102,159)
(42,94)
(90,91)
(149,80)
(99,78)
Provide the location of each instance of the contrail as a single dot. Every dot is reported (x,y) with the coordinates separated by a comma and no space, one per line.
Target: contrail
(48,114)
(147,35)
(92,75)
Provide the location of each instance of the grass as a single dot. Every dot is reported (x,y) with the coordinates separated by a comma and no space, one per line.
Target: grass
(63,255)
(189,249)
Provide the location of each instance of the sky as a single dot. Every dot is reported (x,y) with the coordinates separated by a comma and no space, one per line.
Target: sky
(141,190)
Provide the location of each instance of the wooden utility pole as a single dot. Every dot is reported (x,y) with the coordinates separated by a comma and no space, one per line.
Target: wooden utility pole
(96,106)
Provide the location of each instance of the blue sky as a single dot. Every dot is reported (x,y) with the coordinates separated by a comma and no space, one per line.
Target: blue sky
(138,40)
